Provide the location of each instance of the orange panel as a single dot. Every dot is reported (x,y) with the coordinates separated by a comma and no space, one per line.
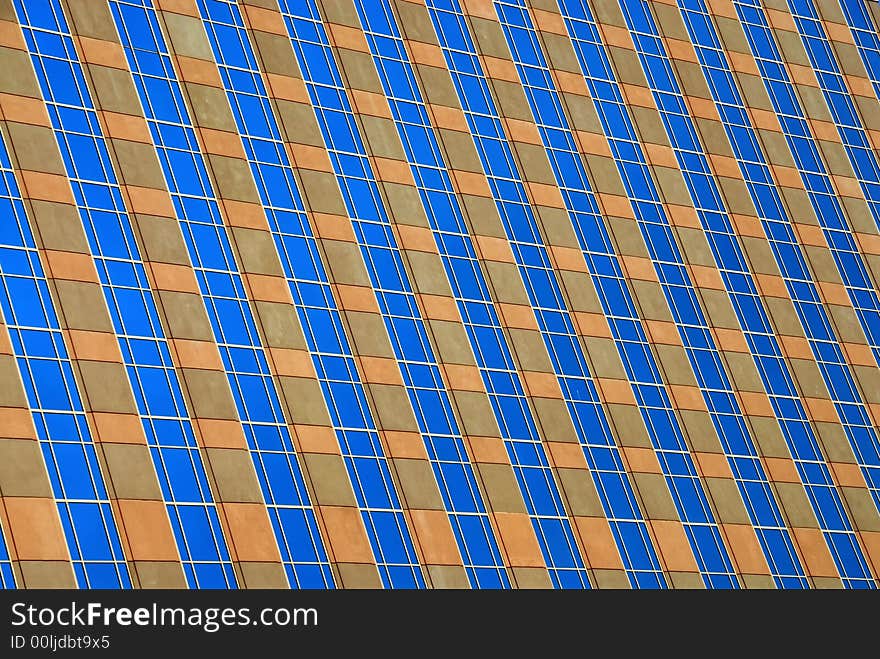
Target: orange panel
(268,288)
(518,537)
(592,324)
(25,110)
(149,201)
(687,397)
(346,535)
(10,35)
(481,8)
(333,227)
(616,391)
(36,529)
(370,103)
(119,428)
(356,298)
(522,131)
(518,315)
(549,22)
(448,118)
(848,475)
(94,346)
(251,531)
(569,258)
(426,53)
(126,127)
(102,52)
(351,38)
(295,363)
(393,171)
(756,403)
(544,385)
(48,187)
(500,69)
(713,465)
(197,354)
(264,20)
(221,142)
(17,423)
(593,143)
(782,470)
(642,460)
(173,277)
(567,455)
(730,340)
(71,265)
(489,449)
(287,88)
(380,370)
(463,377)
(546,195)
(494,249)
(404,444)
(673,544)
(221,433)
(746,549)
(436,539)
(185,7)
(198,71)
(420,239)
(317,439)
(148,530)
(817,558)
(598,542)
(471,183)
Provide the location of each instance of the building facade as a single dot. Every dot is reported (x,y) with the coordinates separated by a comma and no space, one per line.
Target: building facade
(440,293)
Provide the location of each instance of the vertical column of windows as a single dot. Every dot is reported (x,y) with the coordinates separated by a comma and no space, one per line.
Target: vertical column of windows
(197,210)
(799,284)
(728,253)
(818,184)
(866,37)
(846,118)
(479,315)
(551,525)
(7,577)
(733,266)
(375,237)
(56,408)
(554,320)
(145,351)
(319,315)
(673,277)
(619,307)
(814,174)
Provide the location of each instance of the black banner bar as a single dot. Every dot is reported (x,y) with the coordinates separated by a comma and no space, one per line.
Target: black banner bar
(138,623)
